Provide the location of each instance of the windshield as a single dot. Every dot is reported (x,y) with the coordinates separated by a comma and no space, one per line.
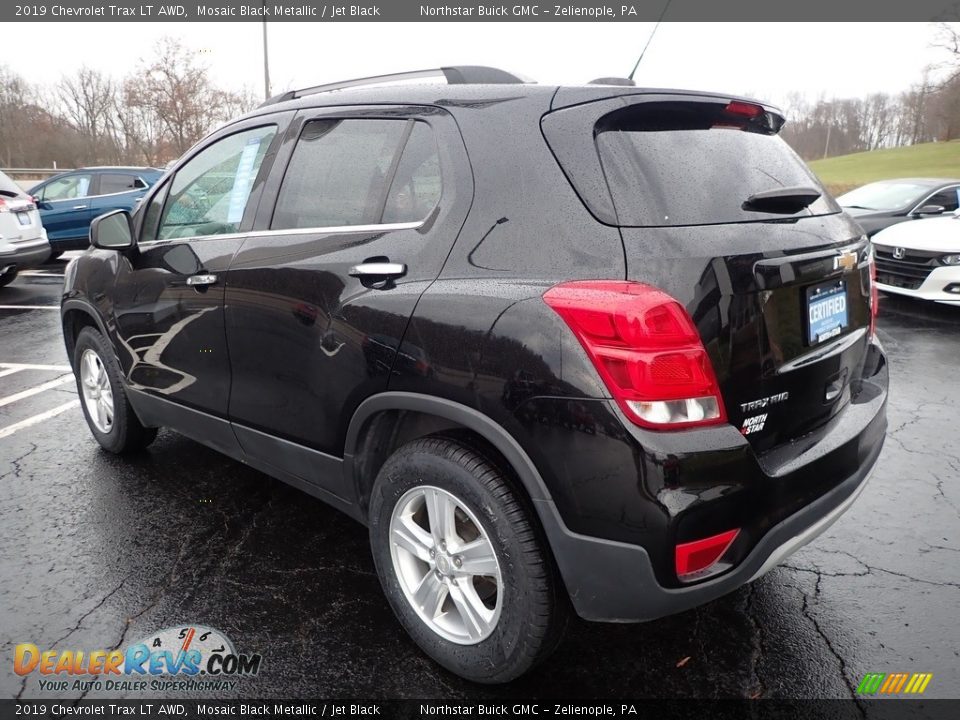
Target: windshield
(884,195)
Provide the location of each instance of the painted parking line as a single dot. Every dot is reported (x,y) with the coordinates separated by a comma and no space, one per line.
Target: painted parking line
(29,307)
(28,366)
(36,390)
(9,371)
(11,429)
(33,273)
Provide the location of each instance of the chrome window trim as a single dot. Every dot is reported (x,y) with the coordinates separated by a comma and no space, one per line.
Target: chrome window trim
(381,227)
(122,192)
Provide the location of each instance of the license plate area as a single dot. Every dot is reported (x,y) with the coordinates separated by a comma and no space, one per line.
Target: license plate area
(23,218)
(827,313)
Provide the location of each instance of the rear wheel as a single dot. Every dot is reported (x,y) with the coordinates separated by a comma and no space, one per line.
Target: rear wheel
(102,397)
(54,254)
(8,277)
(461,562)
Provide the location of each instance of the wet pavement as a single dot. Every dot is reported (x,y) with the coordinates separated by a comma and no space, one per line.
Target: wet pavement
(98,551)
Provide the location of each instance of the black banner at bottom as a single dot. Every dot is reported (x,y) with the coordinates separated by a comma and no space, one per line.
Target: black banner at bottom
(892,709)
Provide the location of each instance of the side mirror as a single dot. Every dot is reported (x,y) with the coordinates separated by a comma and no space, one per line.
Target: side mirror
(112,231)
(929,210)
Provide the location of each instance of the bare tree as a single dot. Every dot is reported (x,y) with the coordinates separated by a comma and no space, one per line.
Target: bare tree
(89,101)
(176,85)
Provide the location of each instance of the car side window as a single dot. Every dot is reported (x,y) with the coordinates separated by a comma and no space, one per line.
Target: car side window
(946,198)
(68,188)
(358,172)
(417,186)
(208,194)
(111,183)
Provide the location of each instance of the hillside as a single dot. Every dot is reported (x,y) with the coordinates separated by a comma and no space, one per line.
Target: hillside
(845,172)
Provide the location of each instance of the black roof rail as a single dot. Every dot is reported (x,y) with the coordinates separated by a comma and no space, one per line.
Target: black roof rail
(458,75)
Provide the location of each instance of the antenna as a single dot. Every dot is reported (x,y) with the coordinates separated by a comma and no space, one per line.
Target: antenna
(652,33)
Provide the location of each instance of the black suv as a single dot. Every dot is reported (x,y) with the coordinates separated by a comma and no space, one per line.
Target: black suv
(596,348)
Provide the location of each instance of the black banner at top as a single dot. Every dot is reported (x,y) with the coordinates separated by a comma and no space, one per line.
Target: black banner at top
(856,11)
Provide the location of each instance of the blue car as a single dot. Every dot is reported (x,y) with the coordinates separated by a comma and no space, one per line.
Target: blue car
(70,201)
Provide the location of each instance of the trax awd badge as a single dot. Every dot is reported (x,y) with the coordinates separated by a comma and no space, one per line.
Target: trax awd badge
(755,423)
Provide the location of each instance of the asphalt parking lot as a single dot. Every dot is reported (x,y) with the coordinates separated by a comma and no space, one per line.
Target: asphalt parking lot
(96,552)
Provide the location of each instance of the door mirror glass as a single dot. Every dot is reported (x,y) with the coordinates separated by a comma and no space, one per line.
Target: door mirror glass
(930,210)
(112,231)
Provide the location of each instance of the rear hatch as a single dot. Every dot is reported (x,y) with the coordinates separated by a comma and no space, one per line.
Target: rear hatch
(22,223)
(716,210)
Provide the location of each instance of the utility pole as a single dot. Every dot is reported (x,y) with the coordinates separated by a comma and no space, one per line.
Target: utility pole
(826,147)
(266,57)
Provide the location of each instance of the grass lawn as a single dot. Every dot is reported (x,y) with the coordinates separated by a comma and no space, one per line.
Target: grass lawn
(846,172)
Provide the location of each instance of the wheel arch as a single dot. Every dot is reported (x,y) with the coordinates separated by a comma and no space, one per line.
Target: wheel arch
(383,422)
(75,315)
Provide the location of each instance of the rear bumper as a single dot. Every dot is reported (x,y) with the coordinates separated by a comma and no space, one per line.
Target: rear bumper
(25,256)
(614,581)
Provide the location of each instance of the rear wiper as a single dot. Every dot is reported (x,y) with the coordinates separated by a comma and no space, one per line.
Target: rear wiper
(786,200)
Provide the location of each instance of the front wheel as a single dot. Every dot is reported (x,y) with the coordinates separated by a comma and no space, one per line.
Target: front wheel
(461,562)
(8,277)
(102,397)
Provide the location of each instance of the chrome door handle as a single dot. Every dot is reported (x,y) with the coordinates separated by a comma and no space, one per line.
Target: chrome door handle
(200,280)
(79,207)
(378,270)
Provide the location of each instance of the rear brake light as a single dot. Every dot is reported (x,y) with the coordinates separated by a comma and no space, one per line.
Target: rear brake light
(744,109)
(646,349)
(693,558)
(3,206)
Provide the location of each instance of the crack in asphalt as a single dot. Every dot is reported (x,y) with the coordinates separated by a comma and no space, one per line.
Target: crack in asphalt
(17,463)
(807,613)
(756,641)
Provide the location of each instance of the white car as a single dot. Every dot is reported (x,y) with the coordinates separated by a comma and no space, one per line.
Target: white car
(23,241)
(921,260)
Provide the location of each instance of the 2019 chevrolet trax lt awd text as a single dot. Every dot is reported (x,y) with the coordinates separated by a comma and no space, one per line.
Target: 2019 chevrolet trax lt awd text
(598,349)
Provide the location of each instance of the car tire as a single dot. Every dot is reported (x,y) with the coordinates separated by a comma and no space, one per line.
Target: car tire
(523,621)
(8,277)
(54,254)
(97,373)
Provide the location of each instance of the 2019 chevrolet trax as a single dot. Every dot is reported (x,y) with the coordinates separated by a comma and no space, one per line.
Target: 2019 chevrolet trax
(599,348)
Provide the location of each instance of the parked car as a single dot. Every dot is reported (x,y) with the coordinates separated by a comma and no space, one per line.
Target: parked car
(69,201)
(921,260)
(881,204)
(642,368)
(23,241)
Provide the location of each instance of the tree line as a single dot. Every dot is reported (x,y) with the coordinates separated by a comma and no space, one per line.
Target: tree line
(928,111)
(148,117)
(167,102)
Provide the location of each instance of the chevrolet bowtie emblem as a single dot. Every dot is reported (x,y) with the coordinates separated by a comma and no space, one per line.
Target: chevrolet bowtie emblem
(847,261)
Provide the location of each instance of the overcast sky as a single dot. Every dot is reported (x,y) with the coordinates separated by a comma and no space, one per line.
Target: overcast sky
(767,60)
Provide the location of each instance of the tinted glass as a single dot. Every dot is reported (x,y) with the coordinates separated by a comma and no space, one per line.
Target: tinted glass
(341,170)
(884,195)
(688,164)
(946,199)
(416,187)
(68,188)
(117,183)
(209,194)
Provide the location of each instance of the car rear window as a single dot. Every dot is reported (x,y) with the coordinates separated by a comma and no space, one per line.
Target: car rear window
(694,164)
(8,187)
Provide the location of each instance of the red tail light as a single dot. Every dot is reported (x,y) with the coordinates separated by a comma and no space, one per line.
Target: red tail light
(697,556)
(646,349)
(3,206)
